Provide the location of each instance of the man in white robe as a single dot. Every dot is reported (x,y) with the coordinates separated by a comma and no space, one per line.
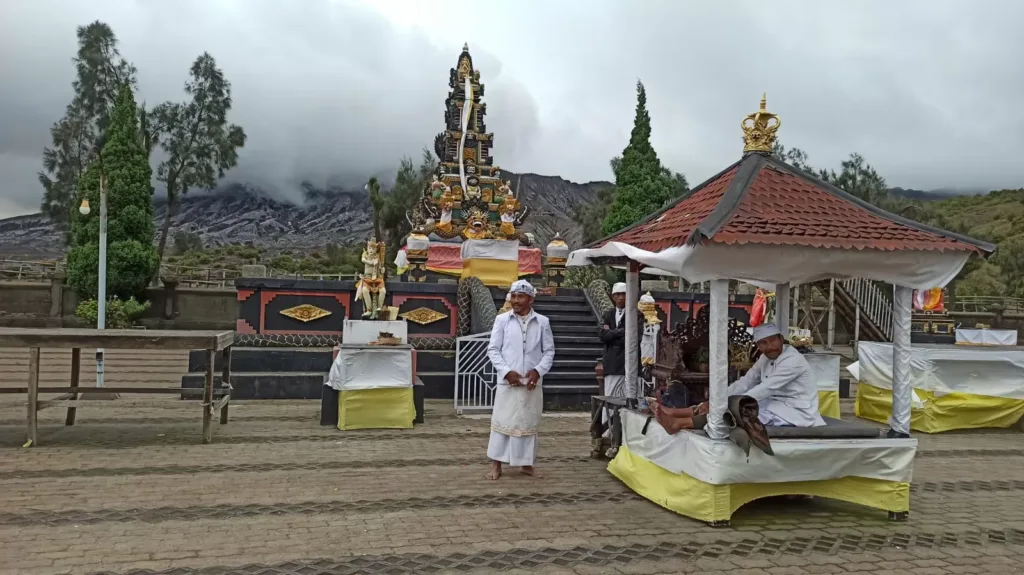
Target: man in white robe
(781,381)
(522,350)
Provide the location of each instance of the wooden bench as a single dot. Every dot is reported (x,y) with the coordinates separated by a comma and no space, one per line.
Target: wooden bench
(76,339)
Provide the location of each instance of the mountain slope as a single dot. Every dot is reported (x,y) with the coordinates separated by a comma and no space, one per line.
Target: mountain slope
(239,213)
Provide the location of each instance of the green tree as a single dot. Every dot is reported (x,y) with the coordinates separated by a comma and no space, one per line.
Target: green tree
(200,144)
(396,203)
(101,71)
(794,157)
(377,204)
(124,164)
(641,187)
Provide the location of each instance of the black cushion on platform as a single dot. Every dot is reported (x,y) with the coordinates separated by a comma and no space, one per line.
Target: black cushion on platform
(419,392)
(833,429)
(329,406)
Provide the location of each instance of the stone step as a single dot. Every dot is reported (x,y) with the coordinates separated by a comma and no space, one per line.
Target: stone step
(562,308)
(587,319)
(591,342)
(570,329)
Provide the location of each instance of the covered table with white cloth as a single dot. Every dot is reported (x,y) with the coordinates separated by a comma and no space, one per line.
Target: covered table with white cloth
(954,387)
(986,336)
(767,223)
(374,382)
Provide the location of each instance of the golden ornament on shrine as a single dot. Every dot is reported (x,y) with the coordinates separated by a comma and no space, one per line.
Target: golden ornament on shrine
(759,129)
(305,312)
(423,316)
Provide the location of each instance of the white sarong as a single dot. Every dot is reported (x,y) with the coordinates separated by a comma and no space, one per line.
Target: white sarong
(515,421)
(614,386)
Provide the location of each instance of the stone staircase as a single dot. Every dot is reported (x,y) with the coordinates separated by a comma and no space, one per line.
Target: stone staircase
(577,347)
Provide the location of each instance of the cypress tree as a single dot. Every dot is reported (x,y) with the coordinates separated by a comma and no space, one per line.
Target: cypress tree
(131,256)
(641,187)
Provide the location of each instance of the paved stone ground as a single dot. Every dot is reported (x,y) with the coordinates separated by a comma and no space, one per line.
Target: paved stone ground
(132,490)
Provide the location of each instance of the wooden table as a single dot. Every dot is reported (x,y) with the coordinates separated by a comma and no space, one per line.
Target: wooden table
(76,339)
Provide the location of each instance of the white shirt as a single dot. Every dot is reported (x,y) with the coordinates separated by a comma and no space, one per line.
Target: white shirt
(520,344)
(783,387)
(619,312)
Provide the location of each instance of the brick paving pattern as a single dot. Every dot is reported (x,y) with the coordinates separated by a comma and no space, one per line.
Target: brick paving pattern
(131,490)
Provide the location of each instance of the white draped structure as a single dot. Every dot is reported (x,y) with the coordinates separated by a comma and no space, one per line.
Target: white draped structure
(811,252)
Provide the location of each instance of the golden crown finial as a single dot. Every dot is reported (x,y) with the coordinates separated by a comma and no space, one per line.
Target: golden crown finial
(759,130)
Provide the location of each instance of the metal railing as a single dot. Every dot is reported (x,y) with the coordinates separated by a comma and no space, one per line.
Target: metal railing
(982,303)
(873,303)
(188,276)
(28,270)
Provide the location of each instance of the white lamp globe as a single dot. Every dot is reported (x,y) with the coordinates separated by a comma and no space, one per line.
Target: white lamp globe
(84,208)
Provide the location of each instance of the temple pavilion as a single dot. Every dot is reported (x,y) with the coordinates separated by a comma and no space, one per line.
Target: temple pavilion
(765,222)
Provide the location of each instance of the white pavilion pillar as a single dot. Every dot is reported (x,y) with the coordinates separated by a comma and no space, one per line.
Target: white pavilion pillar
(718,359)
(782,308)
(902,303)
(632,343)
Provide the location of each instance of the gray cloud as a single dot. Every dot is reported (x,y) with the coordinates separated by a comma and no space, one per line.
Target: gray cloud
(330,89)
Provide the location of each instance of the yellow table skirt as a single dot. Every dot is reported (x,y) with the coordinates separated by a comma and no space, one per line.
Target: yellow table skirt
(385,408)
(828,404)
(943,412)
(713,503)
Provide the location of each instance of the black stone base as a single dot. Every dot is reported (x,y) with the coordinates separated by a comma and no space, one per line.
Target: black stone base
(329,406)
(266,385)
(933,338)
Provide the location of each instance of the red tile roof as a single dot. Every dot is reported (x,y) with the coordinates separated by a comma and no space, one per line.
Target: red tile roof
(761,200)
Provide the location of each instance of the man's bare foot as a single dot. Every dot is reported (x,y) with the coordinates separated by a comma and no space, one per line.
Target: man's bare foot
(495,473)
(531,471)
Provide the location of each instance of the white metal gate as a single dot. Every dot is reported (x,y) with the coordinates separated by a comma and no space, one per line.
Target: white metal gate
(474,374)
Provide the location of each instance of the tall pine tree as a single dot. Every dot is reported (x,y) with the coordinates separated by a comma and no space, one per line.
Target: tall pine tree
(641,185)
(131,258)
(100,73)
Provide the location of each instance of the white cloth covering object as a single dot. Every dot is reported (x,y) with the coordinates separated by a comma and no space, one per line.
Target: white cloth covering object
(824,370)
(376,367)
(723,462)
(991,371)
(902,307)
(507,250)
(518,344)
(986,337)
(770,265)
(784,388)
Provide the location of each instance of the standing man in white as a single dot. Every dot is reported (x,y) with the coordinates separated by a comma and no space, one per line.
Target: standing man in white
(522,350)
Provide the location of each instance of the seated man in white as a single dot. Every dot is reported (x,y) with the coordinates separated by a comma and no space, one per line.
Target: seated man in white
(780,381)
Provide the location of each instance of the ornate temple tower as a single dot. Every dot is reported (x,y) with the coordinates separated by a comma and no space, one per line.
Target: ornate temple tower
(468,196)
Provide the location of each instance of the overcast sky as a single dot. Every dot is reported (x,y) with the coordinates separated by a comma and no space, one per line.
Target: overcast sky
(929,91)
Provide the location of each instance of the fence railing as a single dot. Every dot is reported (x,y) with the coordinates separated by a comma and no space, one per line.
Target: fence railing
(28,270)
(188,276)
(981,303)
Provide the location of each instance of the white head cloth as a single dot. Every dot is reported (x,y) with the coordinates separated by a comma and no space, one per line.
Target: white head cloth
(523,286)
(647,298)
(765,331)
(618,288)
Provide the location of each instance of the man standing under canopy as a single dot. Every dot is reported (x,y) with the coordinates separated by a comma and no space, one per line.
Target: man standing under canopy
(613,335)
(522,350)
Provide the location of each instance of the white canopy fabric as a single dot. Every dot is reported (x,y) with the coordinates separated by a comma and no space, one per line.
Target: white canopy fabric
(761,264)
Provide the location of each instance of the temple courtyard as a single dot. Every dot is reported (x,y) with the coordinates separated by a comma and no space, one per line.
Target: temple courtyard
(130,489)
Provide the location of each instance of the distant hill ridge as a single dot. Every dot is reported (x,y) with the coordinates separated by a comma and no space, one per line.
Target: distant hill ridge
(240,213)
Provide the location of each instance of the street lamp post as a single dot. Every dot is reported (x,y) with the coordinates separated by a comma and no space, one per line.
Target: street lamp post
(101,297)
